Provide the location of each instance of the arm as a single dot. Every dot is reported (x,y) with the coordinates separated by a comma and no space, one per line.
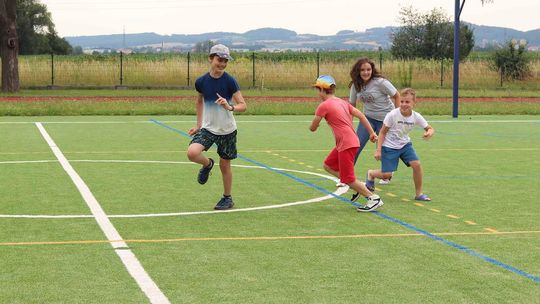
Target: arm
(239,103)
(397,99)
(315,123)
(363,120)
(428,132)
(352,96)
(199,107)
(382,136)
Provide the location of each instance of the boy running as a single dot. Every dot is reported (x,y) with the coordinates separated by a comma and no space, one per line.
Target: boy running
(215,121)
(395,144)
(340,162)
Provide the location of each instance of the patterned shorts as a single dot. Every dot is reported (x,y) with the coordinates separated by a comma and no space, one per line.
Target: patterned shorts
(226,144)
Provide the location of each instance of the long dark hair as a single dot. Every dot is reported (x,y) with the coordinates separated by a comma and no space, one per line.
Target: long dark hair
(356,80)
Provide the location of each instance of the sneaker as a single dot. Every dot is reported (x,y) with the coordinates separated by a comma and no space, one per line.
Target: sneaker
(373,202)
(355,197)
(224,203)
(340,184)
(386,181)
(204,173)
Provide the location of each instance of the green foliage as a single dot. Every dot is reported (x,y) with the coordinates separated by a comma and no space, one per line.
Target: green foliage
(204,46)
(35,30)
(405,73)
(512,60)
(429,36)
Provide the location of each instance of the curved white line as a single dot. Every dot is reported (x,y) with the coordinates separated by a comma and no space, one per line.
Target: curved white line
(338,191)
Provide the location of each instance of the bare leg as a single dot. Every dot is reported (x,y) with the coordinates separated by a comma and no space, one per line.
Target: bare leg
(195,154)
(372,174)
(360,187)
(417,176)
(329,170)
(226,172)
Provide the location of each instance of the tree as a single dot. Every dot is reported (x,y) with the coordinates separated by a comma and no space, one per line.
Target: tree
(204,46)
(9,46)
(512,60)
(428,35)
(36,30)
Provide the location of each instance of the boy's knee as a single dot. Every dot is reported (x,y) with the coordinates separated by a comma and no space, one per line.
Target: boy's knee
(415,164)
(192,154)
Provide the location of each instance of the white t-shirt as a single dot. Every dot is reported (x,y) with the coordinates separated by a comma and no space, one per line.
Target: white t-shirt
(399,128)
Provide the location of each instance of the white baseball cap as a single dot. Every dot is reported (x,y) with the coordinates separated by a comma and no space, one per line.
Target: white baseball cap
(221,51)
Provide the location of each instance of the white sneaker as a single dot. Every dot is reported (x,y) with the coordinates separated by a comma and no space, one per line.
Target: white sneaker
(373,202)
(384,181)
(339,184)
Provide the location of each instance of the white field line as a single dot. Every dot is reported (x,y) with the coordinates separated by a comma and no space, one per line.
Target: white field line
(256,121)
(339,191)
(134,267)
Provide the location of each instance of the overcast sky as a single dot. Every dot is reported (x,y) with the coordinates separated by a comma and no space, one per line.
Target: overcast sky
(322,17)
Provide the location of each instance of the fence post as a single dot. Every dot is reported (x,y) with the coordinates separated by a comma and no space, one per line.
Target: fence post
(318,63)
(253,60)
(52,69)
(188,63)
(442,71)
(502,73)
(380,59)
(121,68)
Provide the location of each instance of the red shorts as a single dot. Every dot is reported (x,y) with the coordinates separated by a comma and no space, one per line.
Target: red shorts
(343,162)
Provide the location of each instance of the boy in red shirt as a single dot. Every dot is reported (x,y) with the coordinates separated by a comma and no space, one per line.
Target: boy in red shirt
(340,162)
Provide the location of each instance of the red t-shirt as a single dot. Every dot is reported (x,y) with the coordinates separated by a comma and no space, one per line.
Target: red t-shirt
(337,113)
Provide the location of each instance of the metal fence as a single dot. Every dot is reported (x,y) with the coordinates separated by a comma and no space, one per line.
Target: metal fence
(288,70)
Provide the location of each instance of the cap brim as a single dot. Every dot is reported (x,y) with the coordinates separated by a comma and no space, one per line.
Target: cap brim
(225,56)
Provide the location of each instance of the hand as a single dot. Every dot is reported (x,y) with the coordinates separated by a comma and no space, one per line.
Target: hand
(373,137)
(222,102)
(377,155)
(427,135)
(193,131)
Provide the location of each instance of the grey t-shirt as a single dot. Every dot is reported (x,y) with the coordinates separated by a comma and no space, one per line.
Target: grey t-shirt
(376,98)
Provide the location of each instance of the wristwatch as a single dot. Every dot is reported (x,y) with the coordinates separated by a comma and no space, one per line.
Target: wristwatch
(232,108)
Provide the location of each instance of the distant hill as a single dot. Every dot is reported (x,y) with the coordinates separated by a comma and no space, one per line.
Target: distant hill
(283,39)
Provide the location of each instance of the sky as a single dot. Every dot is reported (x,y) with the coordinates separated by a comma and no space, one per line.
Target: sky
(321,17)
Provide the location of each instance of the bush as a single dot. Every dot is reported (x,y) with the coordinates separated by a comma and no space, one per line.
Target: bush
(512,61)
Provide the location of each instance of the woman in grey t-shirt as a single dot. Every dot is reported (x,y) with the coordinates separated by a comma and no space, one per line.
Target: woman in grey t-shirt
(377,94)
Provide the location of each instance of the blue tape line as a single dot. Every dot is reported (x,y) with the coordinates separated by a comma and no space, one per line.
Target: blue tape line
(384,216)
(272,169)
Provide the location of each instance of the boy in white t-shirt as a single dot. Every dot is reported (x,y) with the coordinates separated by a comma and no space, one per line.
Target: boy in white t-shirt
(394,143)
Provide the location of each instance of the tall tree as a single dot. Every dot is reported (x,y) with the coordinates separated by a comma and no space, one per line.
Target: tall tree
(36,30)
(428,35)
(9,46)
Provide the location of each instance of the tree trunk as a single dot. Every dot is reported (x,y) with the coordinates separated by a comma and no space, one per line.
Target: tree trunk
(9,46)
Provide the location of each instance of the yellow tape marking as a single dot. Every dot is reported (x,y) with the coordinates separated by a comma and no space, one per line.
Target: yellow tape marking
(435,210)
(470,222)
(266,238)
(419,204)
(452,216)
(391,194)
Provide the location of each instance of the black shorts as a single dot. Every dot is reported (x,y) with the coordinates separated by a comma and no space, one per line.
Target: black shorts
(226,144)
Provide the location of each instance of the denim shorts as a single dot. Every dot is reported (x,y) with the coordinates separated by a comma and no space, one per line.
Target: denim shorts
(226,144)
(390,157)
